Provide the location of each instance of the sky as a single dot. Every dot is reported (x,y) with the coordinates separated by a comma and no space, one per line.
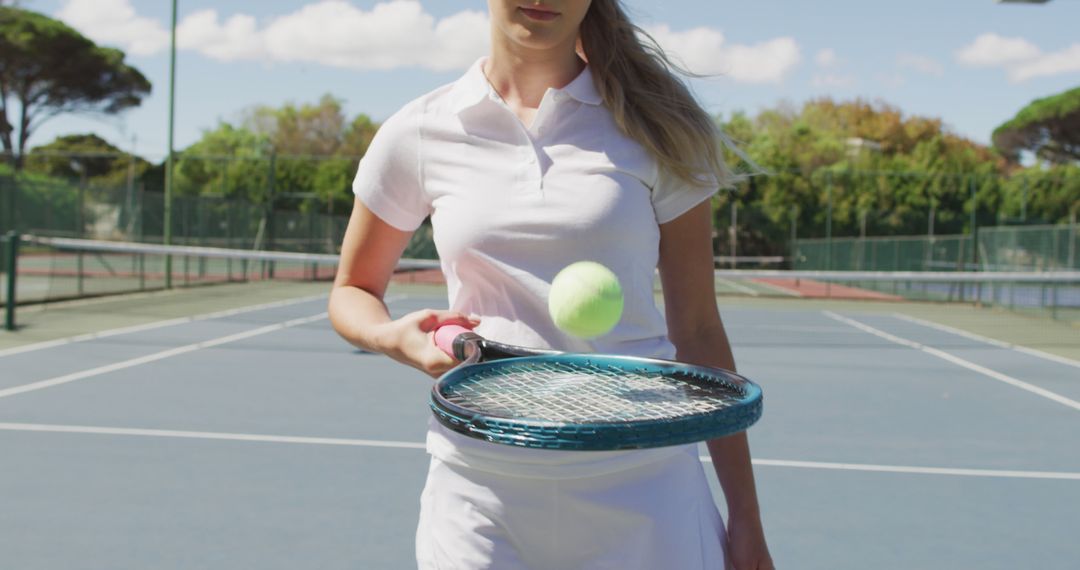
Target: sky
(971,63)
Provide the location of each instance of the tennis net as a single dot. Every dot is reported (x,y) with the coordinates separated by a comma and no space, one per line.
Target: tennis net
(43,269)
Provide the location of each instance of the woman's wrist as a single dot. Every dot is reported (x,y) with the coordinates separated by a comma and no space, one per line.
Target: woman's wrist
(747,511)
(385,338)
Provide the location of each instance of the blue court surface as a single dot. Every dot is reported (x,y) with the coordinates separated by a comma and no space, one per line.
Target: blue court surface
(256,438)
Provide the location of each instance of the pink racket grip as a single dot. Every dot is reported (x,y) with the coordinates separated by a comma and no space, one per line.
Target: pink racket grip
(445,335)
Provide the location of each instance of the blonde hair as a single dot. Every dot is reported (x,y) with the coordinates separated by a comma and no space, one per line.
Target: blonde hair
(651,105)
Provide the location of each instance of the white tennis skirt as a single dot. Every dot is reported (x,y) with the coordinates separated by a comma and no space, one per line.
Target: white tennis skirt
(657,515)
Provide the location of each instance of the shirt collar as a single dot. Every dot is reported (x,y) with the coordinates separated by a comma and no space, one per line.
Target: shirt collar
(583,89)
(473,87)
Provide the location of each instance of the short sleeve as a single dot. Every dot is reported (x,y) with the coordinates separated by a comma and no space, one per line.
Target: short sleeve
(388,180)
(672,196)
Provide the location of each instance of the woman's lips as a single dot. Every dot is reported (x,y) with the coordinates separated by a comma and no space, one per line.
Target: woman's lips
(539,15)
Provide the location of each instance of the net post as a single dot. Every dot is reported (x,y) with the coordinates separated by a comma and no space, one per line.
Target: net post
(11,262)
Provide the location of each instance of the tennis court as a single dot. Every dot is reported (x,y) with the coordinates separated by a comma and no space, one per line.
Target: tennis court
(229,427)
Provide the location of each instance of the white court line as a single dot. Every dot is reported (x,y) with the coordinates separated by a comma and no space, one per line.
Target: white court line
(153,325)
(738,287)
(914,470)
(958,361)
(156,356)
(93,430)
(779,289)
(209,435)
(988,340)
(805,328)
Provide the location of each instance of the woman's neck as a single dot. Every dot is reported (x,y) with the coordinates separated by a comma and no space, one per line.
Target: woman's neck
(521,77)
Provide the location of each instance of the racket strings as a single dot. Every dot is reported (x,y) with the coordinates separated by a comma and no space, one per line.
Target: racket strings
(572,392)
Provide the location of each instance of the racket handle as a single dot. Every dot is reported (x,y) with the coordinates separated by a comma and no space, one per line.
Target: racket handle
(445,335)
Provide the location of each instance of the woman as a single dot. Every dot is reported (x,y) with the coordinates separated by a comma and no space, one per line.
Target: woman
(535,159)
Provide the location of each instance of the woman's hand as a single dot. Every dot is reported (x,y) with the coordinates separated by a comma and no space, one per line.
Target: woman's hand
(746,543)
(409,339)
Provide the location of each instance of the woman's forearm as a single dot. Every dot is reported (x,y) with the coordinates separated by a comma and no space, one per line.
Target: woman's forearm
(356,315)
(361,317)
(731,461)
(730,455)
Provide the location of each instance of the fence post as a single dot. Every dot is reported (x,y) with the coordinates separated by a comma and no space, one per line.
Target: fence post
(1023,201)
(11,260)
(12,193)
(828,232)
(792,248)
(1072,236)
(975,239)
(270,211)
(928,264)
(733,231)
(974,229)
(331,241)
(80,221)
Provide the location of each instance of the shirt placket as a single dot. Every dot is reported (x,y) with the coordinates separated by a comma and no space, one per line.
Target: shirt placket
(532,174)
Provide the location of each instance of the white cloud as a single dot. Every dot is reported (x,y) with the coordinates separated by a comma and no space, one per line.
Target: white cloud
(826,58)
(395,33)
(235,39)
(392,34)
(1058,63)
(833,81)
(992,50)
(114,23)
(920,63)
(1021,59)
(702,50)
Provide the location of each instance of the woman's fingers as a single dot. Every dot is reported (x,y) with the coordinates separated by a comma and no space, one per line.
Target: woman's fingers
(417,344)
(431,319)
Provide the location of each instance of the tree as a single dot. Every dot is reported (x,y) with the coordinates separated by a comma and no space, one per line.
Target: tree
(306,130)
(1049,127)
(225,162)
(100,159)
(866,167)
(315,154)
(51,69)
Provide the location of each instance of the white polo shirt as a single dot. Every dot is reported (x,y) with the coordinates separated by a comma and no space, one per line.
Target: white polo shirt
(510,206)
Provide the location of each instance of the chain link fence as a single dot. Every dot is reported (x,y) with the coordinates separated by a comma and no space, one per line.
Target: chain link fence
(1000,248)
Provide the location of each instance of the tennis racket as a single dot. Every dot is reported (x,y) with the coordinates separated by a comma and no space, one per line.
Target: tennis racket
(545,399)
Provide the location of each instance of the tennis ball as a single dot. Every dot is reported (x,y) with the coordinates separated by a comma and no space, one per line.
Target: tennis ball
(585,299)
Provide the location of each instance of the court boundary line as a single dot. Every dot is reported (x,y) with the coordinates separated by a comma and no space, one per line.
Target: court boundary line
(965,472)
(156,356)
(991,341)
(1039,391)
(779,289)
(390,444)
(221,436)
(154,325)
(738,287)
(170,322)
